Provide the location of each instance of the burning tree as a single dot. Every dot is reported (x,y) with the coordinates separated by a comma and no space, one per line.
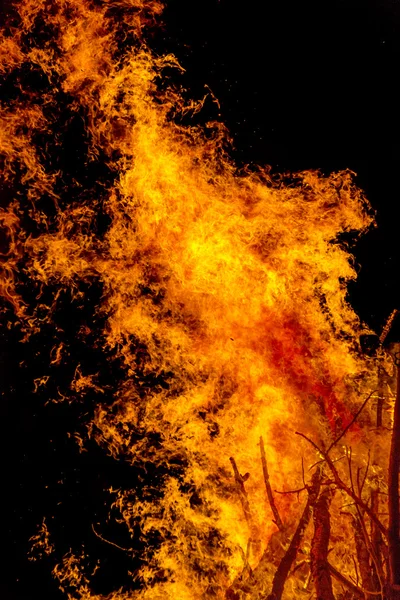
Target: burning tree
(186,313)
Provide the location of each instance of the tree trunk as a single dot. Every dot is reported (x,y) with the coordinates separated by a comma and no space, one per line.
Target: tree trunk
(367,570)
(319,548)
(393,489)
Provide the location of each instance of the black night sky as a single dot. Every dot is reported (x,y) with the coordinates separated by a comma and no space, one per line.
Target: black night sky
(301,85)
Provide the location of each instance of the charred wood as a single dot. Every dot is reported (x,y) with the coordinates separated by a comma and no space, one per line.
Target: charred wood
(319,548)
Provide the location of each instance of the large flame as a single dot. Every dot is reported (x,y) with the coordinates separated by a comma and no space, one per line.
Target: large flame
(222,295)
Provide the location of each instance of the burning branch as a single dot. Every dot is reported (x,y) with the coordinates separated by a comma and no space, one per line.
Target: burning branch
(356,591)
(240,479)
(278,521)
(388,325)
(285,565)
(254,543)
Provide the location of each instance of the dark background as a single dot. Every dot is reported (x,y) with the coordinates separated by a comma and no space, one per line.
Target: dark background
(301,85)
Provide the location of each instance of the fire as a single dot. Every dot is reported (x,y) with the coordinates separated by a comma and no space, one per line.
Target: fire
(222,299)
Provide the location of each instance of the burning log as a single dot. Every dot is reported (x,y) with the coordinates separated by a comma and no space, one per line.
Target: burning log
(319,547)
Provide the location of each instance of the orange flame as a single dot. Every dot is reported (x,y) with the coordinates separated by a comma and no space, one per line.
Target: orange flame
(226,292)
